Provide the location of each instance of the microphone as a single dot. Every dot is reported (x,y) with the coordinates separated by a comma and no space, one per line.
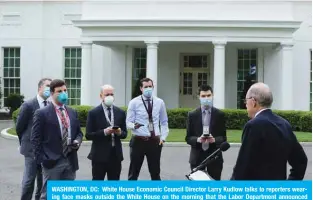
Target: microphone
(224,147)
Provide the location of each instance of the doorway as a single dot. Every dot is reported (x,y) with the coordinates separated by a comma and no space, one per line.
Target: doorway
(194,72)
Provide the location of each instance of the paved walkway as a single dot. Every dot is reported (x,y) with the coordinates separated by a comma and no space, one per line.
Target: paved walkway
(174,165)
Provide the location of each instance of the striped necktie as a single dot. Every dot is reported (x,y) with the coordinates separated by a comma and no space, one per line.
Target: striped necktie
(64,132)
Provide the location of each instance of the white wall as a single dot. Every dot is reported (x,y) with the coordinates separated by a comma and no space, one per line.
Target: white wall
(301,56)
(43,30)
(272,73)
(196,9)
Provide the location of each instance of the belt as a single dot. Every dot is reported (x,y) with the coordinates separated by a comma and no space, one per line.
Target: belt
(146,138)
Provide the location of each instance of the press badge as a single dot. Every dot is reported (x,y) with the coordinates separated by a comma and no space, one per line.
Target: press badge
(206,130)
(150,126)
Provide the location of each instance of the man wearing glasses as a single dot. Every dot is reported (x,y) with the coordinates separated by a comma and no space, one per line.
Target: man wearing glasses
(268,142)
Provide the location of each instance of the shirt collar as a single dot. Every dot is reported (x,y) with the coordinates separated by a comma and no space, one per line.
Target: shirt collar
(145,98)
(260,111)
(203,109)
(40,99)
(105,106)
(57,106)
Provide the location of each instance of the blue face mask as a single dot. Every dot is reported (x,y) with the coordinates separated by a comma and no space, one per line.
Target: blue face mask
(62,98)
(206,102)
(46,92)
(147,92)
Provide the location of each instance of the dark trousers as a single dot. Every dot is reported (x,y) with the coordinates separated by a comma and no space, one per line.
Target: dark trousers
(62,170)
(140,148)
(213,167)
(112,168)
(32,171)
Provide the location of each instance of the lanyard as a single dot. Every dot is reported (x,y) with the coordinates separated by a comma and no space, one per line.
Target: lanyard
(149,114)
(63,117)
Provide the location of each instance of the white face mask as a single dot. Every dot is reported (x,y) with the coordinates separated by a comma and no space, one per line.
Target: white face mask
(108,101)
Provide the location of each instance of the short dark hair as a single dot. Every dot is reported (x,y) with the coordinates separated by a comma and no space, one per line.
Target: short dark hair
(56,83)
(40,83)
(205,88)
(145,80)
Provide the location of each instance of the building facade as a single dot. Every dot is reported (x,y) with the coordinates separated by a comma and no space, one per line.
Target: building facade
(180,44)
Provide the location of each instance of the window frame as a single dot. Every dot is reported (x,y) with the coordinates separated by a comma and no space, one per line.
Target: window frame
(76,100)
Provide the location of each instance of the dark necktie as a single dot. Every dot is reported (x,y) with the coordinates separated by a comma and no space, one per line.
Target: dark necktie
(150,116)
(45,103)
(149,108)
(109,113)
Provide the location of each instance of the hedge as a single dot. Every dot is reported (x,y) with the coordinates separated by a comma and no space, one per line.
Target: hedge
(235,119)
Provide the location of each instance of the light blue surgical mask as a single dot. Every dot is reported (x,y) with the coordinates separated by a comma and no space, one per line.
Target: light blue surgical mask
(62,98)
(206,101)
(46,92)
(147,92)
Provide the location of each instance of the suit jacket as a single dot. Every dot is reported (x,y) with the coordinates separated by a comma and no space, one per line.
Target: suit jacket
(24,124)
(101,144)
(195,130)
(268,143)
(46,136)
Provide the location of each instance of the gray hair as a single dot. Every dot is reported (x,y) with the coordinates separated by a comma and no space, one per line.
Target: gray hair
(104,87)
(262,94)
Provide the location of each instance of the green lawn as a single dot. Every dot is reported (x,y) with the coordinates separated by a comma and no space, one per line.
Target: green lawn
(234,136)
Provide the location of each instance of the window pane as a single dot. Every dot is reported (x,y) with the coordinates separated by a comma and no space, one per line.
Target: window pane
(67,53)
(73,63)
(11,52)
(17,52)
(79,52)
(5,72)
(17,62)
(73,53)
(246,75)
(17,72)
(5,62)
(11,72)
(6,52)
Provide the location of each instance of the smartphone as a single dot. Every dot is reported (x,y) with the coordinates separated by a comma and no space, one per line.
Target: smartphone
(115,127)
(206,135)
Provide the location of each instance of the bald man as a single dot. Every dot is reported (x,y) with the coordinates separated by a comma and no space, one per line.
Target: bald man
(268,142)
(106,126)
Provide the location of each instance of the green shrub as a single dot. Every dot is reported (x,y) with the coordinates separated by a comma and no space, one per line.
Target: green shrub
(235,118)
(13,101)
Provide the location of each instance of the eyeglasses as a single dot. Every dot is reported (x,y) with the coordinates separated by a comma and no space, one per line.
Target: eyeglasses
(245,101)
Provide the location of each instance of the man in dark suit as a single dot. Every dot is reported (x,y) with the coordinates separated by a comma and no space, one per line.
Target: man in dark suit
(23,129)
(56,136)
(106,126)
(206,131)
(268,142)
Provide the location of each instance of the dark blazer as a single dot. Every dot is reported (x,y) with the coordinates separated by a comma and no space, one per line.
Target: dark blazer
(195,130)
(268,143)
(24,125)
(46,136)
(101,144)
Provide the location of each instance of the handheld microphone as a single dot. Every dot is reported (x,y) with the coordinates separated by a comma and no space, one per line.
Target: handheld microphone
(224,147)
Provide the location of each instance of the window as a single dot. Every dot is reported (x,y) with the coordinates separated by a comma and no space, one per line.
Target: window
(311,79)
(246,74)
(73,74)
(11,71)
(139,69)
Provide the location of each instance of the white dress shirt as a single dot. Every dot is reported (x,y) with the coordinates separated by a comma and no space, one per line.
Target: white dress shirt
(41,101)
(260,111)
(137,113)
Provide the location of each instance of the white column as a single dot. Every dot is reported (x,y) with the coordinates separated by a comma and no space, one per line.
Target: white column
(286,76)
(152,64)
(85,94)
(219,74)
